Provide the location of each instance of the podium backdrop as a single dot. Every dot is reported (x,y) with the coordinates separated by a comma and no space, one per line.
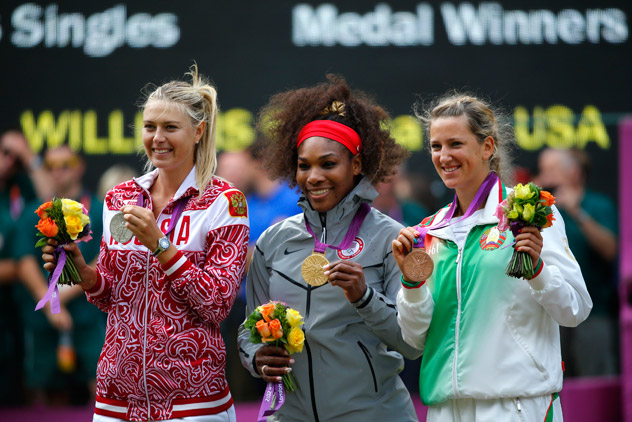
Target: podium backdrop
(72,71)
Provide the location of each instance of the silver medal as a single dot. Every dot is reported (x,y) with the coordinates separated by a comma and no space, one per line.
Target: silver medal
(120,233)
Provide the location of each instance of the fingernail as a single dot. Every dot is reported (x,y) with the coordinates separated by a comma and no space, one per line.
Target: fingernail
(326,267)
(327,272)
(288,370)
(291,361)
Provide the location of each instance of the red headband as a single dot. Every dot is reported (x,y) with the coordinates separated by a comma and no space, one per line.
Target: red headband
(332,130)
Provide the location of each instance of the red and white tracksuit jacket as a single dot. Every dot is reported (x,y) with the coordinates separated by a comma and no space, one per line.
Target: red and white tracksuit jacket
(163,355)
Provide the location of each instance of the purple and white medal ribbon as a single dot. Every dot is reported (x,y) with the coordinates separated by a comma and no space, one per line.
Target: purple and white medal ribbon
(273,399)
(481,196)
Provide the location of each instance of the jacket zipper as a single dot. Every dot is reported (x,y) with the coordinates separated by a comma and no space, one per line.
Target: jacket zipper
(368,356)
(323,239)
(311,381)
(455,388)
(145,336)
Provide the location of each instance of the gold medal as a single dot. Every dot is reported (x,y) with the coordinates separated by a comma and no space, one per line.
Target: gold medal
(312,269)
(418,266)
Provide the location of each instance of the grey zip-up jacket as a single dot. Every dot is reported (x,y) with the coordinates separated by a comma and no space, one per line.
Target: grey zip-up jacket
(348,370)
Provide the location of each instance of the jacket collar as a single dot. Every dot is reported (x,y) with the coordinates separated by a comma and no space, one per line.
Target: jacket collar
(187,188)
(364,192)
(495,197)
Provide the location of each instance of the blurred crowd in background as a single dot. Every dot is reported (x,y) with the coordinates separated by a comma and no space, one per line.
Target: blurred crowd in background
(50,359)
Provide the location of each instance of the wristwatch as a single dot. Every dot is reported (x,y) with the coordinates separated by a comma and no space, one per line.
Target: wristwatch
(163,245)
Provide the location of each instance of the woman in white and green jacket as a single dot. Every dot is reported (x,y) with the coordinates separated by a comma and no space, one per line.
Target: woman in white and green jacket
(491,342)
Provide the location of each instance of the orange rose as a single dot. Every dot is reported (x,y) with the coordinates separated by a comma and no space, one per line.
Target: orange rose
(42,210)
(275,328)
(267,310)
(263,328)
(47,227)
(549,220)
(547,197)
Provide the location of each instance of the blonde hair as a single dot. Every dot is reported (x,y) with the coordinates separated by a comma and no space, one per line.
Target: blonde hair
(483,121)
(198,99)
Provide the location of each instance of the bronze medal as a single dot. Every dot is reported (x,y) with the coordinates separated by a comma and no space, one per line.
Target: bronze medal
(312,269)
(119,232)
(418,266)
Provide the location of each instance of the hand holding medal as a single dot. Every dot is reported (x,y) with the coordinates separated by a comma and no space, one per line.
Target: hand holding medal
(312,268)
(119,231)
(418,265)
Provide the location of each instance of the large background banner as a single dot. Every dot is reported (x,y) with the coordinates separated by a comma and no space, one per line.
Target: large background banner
(72,71)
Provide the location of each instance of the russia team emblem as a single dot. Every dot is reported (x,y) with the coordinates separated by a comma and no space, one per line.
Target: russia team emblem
(353,250)
(492,239)
(236,204)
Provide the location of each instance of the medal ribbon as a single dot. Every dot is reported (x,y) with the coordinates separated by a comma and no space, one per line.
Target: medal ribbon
(53,293)
(273,399)
(481,196)
(353,230)
(175,216)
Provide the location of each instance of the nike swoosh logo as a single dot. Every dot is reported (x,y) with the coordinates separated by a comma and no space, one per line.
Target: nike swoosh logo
(286,252)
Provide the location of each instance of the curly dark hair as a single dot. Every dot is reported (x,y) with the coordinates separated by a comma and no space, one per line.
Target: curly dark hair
(286,113)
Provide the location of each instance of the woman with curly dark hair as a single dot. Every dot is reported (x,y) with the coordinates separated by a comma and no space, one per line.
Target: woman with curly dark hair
(333,262)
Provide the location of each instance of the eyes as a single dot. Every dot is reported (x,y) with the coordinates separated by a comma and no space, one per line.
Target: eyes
(149,127)
(304,166)
(436,146)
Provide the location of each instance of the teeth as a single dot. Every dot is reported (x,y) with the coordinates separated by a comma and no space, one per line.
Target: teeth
(319,192)
(449,169)
(161,151)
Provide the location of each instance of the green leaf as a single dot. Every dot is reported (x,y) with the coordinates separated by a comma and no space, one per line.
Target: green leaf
(41,242)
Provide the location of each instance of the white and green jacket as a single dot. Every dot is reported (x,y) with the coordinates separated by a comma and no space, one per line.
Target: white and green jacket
(484,334)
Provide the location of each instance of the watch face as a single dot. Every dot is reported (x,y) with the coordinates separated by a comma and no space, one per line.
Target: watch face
(164,243)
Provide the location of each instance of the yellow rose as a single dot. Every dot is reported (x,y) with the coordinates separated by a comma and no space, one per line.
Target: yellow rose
(70,207)
(528,212)
(73,226)
(295,340)
(293,318)
(523,192)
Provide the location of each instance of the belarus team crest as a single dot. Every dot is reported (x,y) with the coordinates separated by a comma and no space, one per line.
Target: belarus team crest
(353,250)
(237,206)
(492,239)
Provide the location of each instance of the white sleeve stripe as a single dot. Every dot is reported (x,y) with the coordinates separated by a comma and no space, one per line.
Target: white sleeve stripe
(204,405)
(180,262)
(98,292)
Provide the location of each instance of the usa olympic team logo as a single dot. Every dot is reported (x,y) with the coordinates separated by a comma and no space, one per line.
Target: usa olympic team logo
(353,250)
(492,239)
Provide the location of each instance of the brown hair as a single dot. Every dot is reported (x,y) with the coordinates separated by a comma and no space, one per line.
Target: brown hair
(287,112)
(483,121)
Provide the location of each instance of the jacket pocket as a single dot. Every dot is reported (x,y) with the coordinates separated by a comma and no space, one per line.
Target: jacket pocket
(368,357)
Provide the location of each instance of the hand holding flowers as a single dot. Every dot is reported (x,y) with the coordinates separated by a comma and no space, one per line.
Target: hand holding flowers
(277,325)
(527,206)
(65,221)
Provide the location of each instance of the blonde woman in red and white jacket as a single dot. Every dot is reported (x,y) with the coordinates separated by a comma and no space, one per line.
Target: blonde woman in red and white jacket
(168,284)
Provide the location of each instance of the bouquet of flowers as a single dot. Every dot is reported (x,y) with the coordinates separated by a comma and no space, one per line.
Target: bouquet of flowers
(275,323)
(527,205)
(64,220)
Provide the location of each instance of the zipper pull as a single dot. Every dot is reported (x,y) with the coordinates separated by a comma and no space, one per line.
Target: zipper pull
(518,404)
(458,255)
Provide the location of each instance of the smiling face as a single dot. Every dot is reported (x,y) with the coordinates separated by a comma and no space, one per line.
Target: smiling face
(169,137)
(460,160)
(326,172)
